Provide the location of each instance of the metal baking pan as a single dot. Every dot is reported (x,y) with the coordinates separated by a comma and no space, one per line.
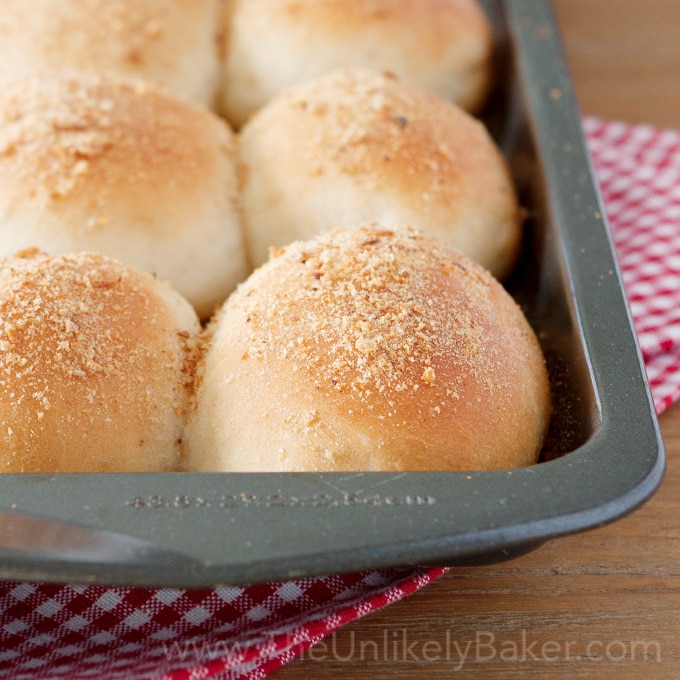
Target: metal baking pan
(603,457)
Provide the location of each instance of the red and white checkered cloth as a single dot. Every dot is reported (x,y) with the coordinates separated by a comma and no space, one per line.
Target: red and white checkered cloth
(77,632)
(638,168)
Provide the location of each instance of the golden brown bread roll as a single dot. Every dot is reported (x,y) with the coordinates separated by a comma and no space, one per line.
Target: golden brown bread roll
(113,165)
(443,46)
(173,43)
(356,146)
(96,362)
(369,349)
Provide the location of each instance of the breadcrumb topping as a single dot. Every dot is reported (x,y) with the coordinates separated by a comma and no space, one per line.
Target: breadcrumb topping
(64,300)
(88,134)
(86,346)
(370,313)
(383,133)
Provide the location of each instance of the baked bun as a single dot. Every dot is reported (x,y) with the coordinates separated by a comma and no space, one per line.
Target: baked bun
(90,162)
(357,146)
(443,46)
(95,366)
(173,43)
(369,349)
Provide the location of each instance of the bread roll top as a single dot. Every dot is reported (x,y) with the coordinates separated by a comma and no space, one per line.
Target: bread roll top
(171,43)
(354,146)
(444,46)
(86,138)
(372,349)
(94,162)
(96,364)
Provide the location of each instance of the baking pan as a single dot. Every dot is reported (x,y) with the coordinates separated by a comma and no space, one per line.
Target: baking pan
(603,456)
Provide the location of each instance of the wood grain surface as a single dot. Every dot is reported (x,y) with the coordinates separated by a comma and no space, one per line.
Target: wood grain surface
(601,604)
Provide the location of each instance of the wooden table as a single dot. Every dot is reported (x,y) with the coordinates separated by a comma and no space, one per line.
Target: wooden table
(598,605)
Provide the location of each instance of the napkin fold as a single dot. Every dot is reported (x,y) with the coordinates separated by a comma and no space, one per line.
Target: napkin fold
(243,633)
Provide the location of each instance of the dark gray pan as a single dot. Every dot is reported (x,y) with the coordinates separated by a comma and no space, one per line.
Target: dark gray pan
(604,455)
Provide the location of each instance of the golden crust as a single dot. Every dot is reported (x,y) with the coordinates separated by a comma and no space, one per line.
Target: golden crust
(370,349)
(95,366)
(80,136)
(104,163)
(443,46)
(441,20)
(169,42)
(360,145)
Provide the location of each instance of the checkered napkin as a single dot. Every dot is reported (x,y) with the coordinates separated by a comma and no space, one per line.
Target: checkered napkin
(77,632)
(638,168)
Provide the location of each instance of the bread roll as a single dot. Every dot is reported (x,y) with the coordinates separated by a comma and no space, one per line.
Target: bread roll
(355,146)
(96,361)
(173,43)
(443,46)
(98,163)
(369,349)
